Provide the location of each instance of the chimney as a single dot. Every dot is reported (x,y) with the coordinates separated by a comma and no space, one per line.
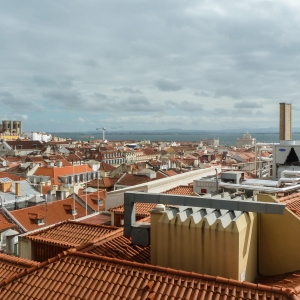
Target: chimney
(18,189)
(285,125)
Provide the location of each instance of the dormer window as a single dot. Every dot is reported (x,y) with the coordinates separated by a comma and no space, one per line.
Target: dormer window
(37,218)
(40,221)
(99,202)
(70,209)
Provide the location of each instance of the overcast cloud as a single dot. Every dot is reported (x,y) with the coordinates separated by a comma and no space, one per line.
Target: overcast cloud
(76,65)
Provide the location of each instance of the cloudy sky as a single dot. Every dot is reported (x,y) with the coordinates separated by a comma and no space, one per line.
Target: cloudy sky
(134,64)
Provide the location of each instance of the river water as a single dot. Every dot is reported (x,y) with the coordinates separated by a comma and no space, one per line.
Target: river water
(224,138)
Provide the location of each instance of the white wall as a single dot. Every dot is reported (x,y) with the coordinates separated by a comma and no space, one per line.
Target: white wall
(116,198)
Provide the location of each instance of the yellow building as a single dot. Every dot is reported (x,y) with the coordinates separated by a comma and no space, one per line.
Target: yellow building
(206,241)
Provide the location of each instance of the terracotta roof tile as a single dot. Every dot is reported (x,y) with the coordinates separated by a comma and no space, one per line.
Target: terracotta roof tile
(171,172)
(292,202)
(99,219)
(71,234)
(186,190)
(11,176)
(109,278)
(95,200)
(141,209)
(132,179)
(12,265)
(288,280)
(106,167)
(104,182)
(117,246)
(53,212)
(5,224)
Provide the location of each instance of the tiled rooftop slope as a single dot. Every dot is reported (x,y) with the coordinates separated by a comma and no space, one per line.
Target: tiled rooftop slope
(74,275)
(292,202)
(11,265)
(71,233)
(96,239)
(115,245)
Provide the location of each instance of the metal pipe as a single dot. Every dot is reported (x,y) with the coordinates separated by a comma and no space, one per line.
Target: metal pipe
(267,159)
(287,172)
(291,180)
(258,188)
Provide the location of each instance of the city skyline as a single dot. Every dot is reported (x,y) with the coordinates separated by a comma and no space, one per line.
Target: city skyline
(125,65)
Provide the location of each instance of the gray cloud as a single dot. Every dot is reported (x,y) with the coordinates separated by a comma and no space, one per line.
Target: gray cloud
(247,105)
(65,98)
(87,58)
(138,104)
(201,94)
(167,85)
(185,105)
(18,104)
(127,90)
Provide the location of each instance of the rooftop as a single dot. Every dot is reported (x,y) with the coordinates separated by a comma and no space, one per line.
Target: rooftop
(71,233)
(51,213)
(74,275)
(11,265)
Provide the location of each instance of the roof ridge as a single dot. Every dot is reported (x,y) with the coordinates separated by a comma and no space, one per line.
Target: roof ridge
(107,237)
(36,267)
(52,241)
(17,260)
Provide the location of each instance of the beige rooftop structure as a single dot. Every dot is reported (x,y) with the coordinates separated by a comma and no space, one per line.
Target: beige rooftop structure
(285,126)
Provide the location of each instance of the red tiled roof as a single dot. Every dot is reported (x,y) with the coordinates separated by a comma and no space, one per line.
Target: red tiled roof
(186,190)
(292,202)
(99,219)
(171,172)
(26,144)
(5,224)
(133,179)
(53,213)
(106,167)
(75,275)
(12,265)
(105,182)
(289,280)
(71,234)
(116,245)
(141,209)
(11,176)
(92,198)
(160,175)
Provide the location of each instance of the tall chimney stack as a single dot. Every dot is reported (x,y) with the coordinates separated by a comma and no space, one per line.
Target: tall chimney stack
(285,125)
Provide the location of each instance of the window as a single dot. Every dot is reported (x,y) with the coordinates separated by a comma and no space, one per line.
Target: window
(98,202)
(203,191)
(40,221)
